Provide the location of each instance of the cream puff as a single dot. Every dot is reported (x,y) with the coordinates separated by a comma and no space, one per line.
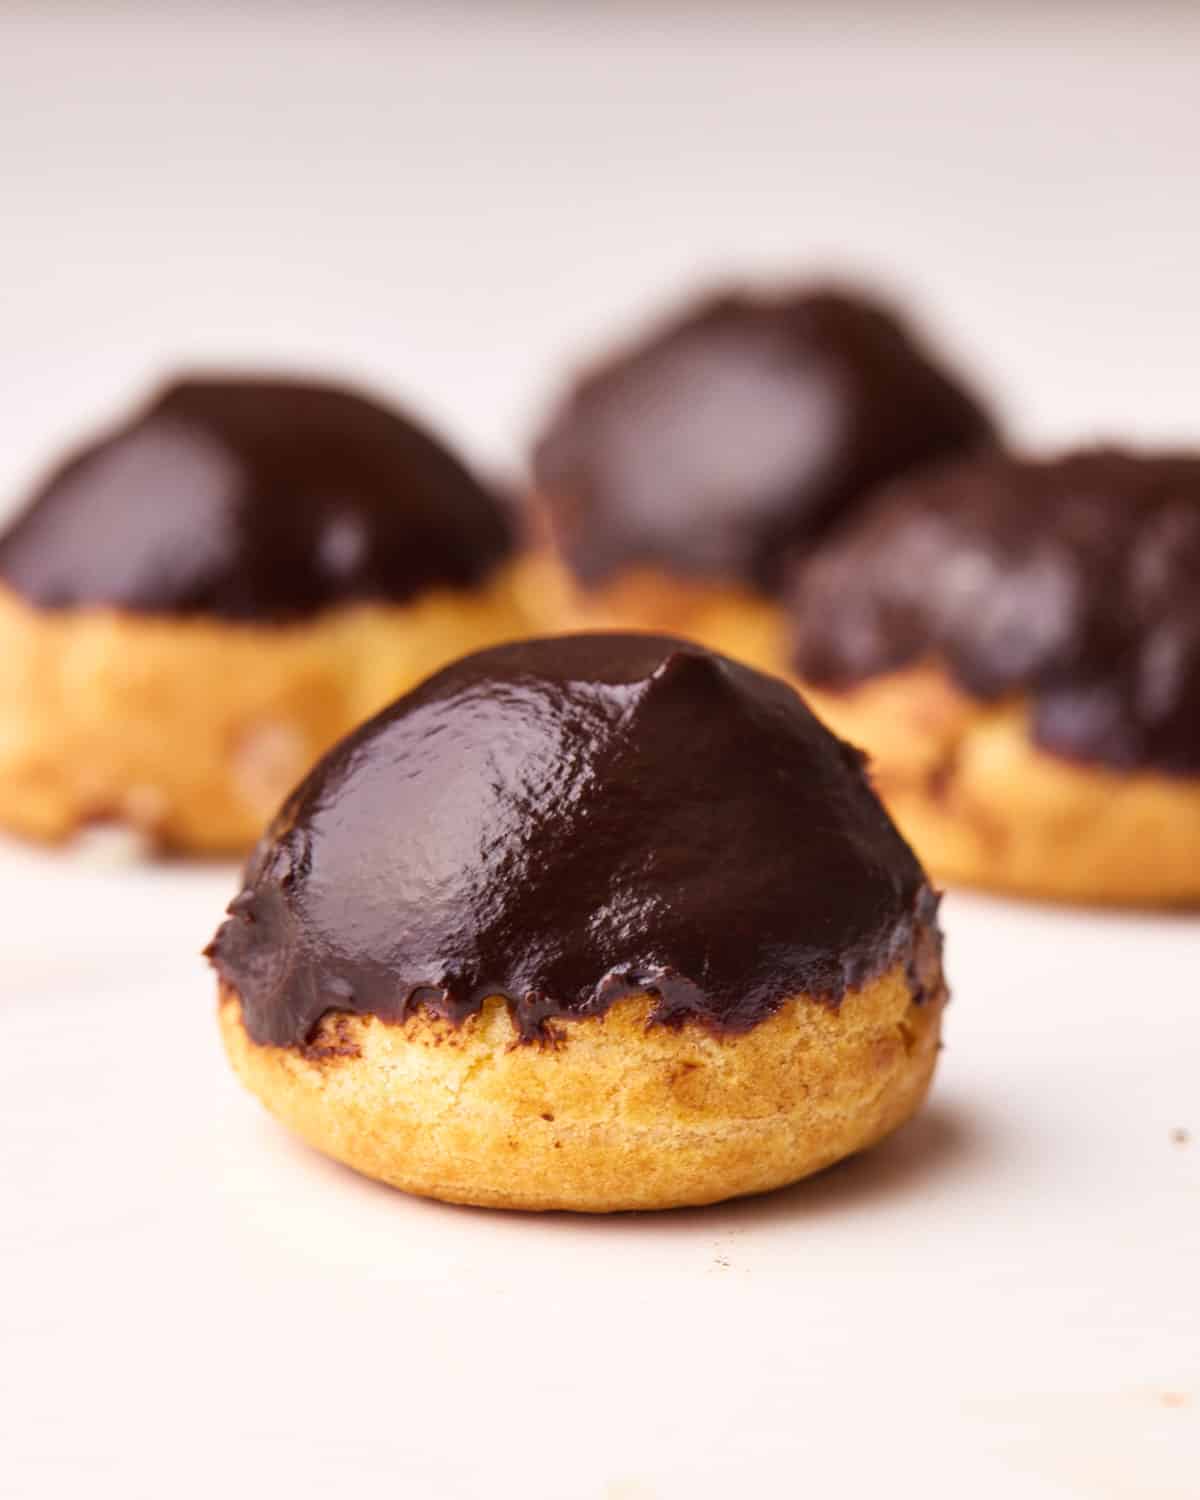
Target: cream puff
(198,604)
(599,922)
(1016,642)
(677,478)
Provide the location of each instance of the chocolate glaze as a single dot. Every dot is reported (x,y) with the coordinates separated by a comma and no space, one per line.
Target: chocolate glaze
(254,499)
(566,822)
(1075,580)
(742,430)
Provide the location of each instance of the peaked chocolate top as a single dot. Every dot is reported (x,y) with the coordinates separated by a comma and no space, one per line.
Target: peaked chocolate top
(565,822)
(254,499)
(740,431)
(1074,580)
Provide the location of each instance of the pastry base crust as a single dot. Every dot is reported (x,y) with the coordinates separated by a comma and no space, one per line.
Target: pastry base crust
(614,1114)
(983,806)
(725,617)
(192,730)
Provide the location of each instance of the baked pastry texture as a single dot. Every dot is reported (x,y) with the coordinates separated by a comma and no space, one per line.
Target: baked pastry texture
(197,605)
(677,478)
(595,923)
(1016,643)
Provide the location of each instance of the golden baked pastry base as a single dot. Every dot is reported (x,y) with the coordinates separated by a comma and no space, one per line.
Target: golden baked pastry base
(983,806)
(192,730)
(617,1114)
(725,617)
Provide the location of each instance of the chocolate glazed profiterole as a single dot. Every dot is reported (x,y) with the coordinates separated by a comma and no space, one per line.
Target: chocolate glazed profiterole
(598,922)
(1017,643)
(680,476)
(194,607)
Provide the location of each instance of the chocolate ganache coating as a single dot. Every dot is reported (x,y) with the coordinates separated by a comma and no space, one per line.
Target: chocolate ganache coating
(254,499)
(1075,580)
(566,822)
(741,431)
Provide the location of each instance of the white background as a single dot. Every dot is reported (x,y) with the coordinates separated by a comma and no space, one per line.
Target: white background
(454,204)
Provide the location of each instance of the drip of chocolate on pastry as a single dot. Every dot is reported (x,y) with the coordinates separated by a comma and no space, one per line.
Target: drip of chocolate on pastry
(254,499)
(567,822)
(740,432)
(1075,581)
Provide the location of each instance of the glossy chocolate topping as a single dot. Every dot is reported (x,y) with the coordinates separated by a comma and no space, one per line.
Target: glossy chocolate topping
(566,822)
(254,499)
(741,431)
(1076,581)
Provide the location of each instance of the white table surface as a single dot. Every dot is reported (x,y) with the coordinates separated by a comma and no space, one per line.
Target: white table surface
(1003,1301)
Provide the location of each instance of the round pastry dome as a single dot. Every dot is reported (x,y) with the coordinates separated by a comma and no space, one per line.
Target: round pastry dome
(611,841)
(1016,642)
(196,606)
